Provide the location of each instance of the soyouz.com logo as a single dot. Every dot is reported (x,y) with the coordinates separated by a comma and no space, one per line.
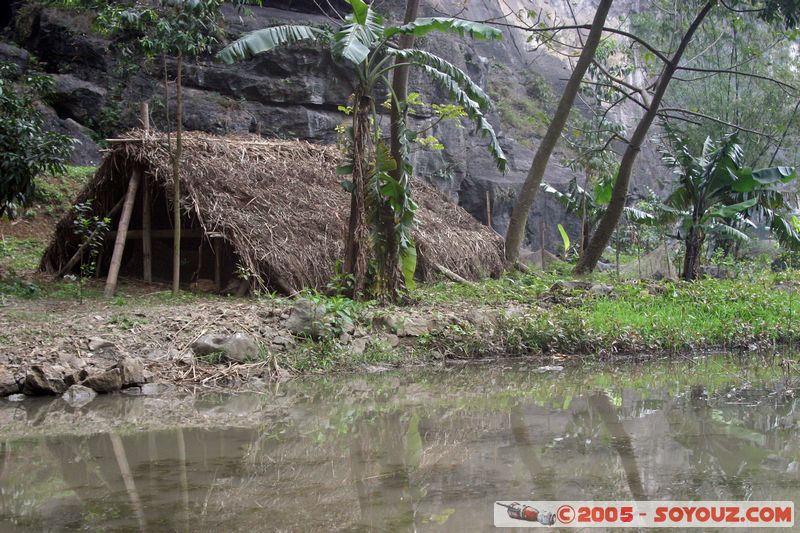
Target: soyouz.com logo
(682,514)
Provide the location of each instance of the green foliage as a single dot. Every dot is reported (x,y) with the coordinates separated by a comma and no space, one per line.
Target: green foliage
(752,45)
(27,149)
(57,192)
(342,312)
(213,358)
(266,39)
(636,316)
(188,27)
(424,26)
(430,142)
(575,199)
(564,238)
(91,231)
(462,91)
(714,194)
(20,255)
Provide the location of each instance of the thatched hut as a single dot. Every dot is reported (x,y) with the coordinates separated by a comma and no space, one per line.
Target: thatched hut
(272,210)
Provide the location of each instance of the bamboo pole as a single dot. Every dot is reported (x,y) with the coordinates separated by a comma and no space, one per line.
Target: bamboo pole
(147,237)
(122,230)
(144,111)
(147,242)
(218,263)
(488,209)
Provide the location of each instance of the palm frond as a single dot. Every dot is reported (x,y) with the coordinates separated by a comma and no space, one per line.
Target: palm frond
(727,232)
(784,231)
(569,202)
(423,26)
(263,40)
(355,40)
(473,111)
(421,57)
(639,216)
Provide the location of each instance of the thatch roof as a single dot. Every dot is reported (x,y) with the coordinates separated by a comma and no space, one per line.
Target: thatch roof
(280,205)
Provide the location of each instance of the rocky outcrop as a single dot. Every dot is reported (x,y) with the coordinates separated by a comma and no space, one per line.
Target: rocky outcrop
(44,380)
(8,383)
(76,99)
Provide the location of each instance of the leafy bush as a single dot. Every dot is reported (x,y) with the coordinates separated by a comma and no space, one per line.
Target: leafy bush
(27,149)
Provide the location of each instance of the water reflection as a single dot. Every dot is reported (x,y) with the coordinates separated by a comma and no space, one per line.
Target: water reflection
(424,451)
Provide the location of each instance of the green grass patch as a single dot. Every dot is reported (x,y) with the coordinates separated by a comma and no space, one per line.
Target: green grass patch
(636,316)
(20,255)
(57,193)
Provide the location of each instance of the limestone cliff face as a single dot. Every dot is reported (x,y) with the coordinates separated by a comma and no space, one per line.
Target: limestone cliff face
(294,92)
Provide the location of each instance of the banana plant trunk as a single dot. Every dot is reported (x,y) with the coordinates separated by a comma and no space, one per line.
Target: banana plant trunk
(390,275)
(356,249)
(691,259)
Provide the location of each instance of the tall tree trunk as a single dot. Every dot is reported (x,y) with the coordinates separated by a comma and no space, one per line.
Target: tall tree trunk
(522,207)
(356,249)
(176,181)
(691,258)
(610,219)
(390,275)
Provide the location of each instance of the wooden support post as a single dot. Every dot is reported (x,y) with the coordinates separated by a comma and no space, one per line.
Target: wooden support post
(147,236)
(488,209)
(122,230)
(541,239)
(218,263)
(144,111)
(147,241)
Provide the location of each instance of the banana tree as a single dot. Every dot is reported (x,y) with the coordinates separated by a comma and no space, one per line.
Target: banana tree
(716,195)
(363,42)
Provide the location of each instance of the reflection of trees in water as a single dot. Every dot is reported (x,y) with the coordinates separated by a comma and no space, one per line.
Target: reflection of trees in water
(579,446)
(620,442)
(728,446)
(383,458)
(394,469)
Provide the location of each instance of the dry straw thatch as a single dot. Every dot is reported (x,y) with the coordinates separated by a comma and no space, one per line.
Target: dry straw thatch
(280,205)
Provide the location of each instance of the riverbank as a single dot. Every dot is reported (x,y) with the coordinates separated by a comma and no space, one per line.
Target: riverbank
(51,340)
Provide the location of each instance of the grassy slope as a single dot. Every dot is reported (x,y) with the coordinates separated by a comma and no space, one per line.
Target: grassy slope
(23,240)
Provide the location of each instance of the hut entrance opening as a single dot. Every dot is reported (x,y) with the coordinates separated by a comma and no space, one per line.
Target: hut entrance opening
(208,262)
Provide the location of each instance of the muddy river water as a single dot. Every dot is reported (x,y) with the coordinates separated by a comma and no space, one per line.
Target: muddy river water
(409,450)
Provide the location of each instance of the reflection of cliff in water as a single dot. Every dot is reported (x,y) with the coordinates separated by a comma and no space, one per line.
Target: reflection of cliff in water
(360,460)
